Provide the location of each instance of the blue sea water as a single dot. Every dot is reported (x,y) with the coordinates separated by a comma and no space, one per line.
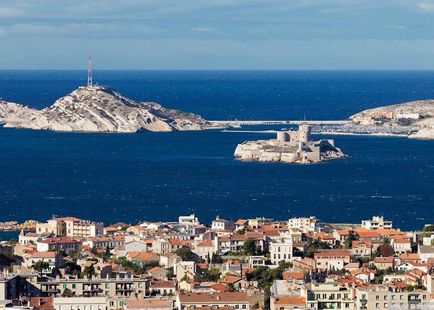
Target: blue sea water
(157,176)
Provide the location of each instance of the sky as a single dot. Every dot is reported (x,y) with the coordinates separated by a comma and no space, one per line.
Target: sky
(217,34)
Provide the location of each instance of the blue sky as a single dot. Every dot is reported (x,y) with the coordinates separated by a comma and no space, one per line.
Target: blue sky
(217,34)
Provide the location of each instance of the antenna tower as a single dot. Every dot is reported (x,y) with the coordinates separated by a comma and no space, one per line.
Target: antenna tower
(89,71)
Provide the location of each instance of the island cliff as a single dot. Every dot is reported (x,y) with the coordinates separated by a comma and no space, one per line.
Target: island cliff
(289,147)
(414,118)
(99,109)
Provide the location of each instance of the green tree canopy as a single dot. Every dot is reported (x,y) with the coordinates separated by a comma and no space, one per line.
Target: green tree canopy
(249,247)
(40,266)
(185,253)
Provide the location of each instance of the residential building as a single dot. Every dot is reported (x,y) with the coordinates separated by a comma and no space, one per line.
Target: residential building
(223,301)
(281,249)
(384,297)
(222,224)
(65,244)
(331,260)
(304,224)
(329,295)
(377,222)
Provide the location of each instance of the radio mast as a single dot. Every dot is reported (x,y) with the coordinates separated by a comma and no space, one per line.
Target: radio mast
(89,71)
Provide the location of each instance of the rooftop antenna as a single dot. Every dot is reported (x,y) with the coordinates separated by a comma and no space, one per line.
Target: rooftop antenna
(89,71)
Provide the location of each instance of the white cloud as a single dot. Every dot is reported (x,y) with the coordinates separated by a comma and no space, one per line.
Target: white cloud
(427,7)
(10,12)
(203,29)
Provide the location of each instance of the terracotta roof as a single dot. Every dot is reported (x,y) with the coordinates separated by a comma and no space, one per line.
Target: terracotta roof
(141,256)
(162,284)
(409,256)
(388,260)
(290,300)
(224,297)
(356,243)
(154,269)
(343,232)
(60,240)
(296,275)
(202,266)
(148,303)
(231,279)
(241,222)
(43,254)
(205,243)
(219,287)
(331,254)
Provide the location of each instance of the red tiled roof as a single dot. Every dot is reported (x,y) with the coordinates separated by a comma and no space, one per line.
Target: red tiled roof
(224,297)
(290,300)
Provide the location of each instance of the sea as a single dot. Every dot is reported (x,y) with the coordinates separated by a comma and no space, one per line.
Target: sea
(160,176)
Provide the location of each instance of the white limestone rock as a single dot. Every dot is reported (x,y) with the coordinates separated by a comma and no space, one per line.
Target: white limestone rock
(417,115)
(99,109)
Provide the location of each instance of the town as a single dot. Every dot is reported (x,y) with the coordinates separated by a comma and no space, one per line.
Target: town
(247,264)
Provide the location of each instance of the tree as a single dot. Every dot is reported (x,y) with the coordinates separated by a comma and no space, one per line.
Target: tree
(249,247)
(314,246)
(385,250)
(212,275)
(89,271)
(107,254)
(67,293)
(351,237)
(216,259)
(170,273)
(185,253)
(40,266)
(72,268)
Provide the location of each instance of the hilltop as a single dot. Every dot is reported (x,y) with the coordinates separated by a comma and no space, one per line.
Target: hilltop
(99,109)
(417,116)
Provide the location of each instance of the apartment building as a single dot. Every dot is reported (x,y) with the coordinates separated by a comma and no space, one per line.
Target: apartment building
(95,287)
(377,222)
(281,249)
(383,297)
(304,224)
(331,260)
(329,295)
(225,300)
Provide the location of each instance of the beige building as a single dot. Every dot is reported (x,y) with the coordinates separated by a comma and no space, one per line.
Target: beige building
(95,287)
(329,295)
(331,260)
(304,224)
(384,297)
(70,227)
(235,300)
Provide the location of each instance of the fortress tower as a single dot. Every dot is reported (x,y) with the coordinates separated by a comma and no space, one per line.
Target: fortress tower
(304,132)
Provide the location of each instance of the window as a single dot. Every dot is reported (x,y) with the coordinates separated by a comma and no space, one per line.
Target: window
(377,305)
(74,285)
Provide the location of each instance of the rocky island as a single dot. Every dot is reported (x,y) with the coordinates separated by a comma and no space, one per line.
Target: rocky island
(414,119)
(99,109)
(289,147)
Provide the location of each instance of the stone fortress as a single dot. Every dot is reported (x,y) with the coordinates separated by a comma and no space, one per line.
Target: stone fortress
(289,147)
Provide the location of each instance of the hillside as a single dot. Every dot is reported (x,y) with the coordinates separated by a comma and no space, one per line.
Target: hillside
(99,109)
(418,116)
